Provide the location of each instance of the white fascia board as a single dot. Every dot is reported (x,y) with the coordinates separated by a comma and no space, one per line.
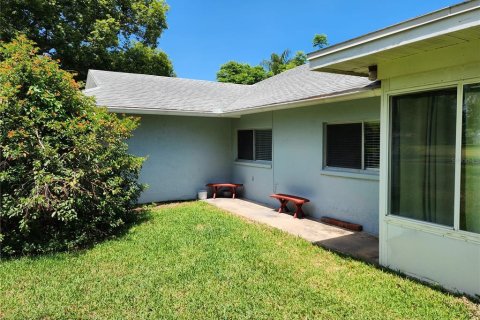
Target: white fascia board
(166,112)
(451,19)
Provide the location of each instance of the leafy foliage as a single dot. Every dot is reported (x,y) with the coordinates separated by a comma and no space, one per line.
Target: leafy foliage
(66,177)
(283,61)
(320,41)
(142,59)
(241,73)
(91,34)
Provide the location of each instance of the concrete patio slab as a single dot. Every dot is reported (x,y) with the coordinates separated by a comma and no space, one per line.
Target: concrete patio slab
(360,245)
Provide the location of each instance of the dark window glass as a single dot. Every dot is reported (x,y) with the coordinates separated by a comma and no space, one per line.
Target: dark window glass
(470,185)
(423,156)
(344,145)
(245,144)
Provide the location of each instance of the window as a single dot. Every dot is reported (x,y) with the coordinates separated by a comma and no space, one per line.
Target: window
(422,156)
(423,153)
(255,145)
(372,144)
(245,144)
(263,145)
(470,169)
(353,145)
(344,145)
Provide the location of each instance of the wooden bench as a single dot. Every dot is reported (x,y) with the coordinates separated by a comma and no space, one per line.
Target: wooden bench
(285,198)
(218,186)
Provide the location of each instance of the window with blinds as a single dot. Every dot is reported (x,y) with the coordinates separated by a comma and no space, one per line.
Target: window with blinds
(263,145)
(255,145)
(353,145)
(372,144)
(344,145)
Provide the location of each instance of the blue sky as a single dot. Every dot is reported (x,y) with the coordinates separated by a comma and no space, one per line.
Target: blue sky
(203,34)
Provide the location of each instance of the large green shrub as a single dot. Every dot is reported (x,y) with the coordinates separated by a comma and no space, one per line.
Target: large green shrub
(66,177)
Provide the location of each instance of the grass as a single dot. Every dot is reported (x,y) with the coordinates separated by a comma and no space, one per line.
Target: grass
(193,261)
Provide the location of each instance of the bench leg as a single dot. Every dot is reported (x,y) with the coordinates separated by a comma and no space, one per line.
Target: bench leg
(283,206)
(214,192)
(299,211)
(234,190)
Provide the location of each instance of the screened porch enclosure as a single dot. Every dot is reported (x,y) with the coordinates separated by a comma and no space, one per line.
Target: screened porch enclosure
(425,144)
(423,156)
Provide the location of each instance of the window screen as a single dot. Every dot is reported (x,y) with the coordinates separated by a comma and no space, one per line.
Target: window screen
(344,145)
(263,145)
(245,145)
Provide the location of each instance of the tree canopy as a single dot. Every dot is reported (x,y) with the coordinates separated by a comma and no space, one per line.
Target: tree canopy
(65,173)
(244,73)
(116,35)
(241,73)
(320,41)
(283,61)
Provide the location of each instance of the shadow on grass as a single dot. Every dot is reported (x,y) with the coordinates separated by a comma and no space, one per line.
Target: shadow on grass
(136,217)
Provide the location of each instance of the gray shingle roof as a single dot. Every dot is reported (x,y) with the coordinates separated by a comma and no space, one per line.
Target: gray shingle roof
(128,91)
(298,84)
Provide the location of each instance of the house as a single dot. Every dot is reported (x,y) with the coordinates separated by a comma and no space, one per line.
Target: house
(381,130)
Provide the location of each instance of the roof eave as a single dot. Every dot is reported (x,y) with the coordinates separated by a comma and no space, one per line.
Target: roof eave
(155,111)
(444,21)
(359,93)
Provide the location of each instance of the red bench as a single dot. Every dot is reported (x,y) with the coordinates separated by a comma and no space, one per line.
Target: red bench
(285,198)
(218,186)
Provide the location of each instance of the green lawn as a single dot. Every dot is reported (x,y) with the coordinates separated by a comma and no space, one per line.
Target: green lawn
(193,261)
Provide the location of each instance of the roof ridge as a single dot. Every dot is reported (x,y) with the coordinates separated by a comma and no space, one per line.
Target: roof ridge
(165,77)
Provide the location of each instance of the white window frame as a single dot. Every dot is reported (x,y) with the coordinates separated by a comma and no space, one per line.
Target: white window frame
(453,232)
(363,170)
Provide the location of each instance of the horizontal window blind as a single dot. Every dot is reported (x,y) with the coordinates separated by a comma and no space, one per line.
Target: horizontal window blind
(263,145)
(372,144)
(344,145)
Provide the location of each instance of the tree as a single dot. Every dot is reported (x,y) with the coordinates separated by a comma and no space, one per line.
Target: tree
(142,59)
(320,41)
(281,62)
(90,34)
(241,73)
(299,59)
(65,175)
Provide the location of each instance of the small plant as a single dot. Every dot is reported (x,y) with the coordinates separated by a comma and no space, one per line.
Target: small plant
(66,176)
